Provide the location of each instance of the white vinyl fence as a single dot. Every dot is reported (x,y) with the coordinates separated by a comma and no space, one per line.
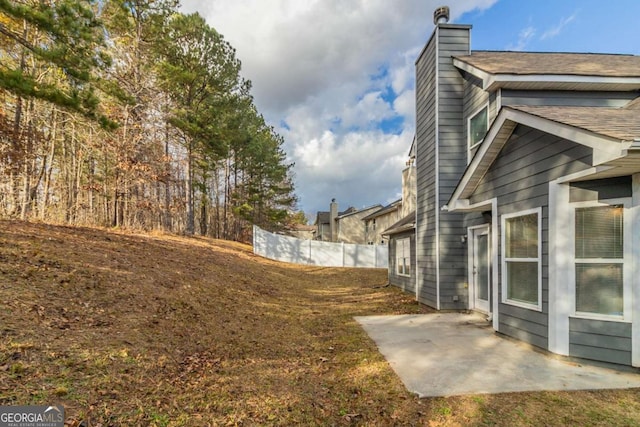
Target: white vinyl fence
(313,252)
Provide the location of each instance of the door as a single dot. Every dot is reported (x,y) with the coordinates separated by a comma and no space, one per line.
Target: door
(480,271)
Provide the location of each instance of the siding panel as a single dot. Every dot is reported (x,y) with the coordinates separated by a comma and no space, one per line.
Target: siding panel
(604,341)
(519,180)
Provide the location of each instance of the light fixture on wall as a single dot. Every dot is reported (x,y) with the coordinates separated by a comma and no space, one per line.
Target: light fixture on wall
(463,238)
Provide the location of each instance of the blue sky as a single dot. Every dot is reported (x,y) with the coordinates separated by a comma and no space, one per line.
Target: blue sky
(564,26)
(336,77)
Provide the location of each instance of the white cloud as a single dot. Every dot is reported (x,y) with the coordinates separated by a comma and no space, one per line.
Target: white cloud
(524,37)
(333,70)
(405,105)
(557,29)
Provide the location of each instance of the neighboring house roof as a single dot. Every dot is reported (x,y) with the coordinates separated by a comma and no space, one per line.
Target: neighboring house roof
(389,208)
(613,133)
(564,71)
(322,218)
(352,211)
(405,224)
(302,227)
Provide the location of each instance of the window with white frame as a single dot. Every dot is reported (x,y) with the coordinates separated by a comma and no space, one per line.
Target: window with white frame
(599,260)
(477,126)
(521,261)
(403,256)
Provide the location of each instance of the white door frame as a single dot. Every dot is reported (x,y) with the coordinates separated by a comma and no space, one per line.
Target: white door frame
(472,232)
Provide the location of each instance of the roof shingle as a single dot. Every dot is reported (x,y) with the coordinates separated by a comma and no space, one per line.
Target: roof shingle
(618,123)
(579,64)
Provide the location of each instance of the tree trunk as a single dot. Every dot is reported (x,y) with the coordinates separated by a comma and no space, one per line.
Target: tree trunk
(189,191)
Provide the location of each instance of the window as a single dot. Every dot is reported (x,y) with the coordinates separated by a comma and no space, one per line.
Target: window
(599,260)
(521,266)
(403,256)
(477,126)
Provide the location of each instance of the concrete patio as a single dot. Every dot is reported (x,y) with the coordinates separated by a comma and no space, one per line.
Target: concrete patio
(447,354)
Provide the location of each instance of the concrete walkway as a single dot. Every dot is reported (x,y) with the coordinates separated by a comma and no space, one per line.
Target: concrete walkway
(447,354)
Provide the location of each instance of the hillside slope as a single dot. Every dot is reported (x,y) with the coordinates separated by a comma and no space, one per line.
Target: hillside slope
(129,329)
(139,330)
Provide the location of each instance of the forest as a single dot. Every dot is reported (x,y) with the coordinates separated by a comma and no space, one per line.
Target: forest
(129,113)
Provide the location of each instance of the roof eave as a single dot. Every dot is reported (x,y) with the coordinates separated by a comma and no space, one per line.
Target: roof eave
(501,130)
(554,81)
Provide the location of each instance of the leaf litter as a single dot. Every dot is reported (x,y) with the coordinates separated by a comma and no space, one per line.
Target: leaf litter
(129,329)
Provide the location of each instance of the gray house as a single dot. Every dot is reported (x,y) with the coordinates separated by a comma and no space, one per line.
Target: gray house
(528,193)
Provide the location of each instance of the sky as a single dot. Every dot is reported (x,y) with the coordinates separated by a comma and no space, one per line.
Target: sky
(336,78)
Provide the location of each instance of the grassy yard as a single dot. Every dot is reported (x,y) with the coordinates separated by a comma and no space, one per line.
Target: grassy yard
(154,330)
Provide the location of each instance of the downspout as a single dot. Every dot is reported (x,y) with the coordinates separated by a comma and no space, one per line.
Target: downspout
(437,164)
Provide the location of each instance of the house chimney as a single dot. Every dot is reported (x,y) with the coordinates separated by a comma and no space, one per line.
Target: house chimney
(441,15)
(333,214)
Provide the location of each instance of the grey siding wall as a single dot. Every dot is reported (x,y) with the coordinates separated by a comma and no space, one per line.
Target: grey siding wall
(407,284)
(474,99)
(519,179)
(425,173)
(580,99)
(600,340)
(452,153)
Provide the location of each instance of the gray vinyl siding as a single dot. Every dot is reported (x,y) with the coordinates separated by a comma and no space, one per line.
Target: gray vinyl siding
(601,189)
(567,98)
(407,284)
(600,340)
(425,174)
(519,178)
(474,99)
(452,150)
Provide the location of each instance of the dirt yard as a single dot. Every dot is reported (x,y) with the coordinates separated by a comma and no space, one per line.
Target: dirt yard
(154,330)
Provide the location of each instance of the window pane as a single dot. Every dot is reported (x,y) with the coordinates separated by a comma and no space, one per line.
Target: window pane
(522,236)
(599,232)
(522,281)
(599,289)
(478,126)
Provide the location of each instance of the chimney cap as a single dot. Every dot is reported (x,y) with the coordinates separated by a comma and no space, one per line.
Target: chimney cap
(441,15)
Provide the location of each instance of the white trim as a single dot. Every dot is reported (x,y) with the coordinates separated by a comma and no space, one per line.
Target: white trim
(471,254)
(464,66)
(579,176)
(437,162)
(499,80)
(407,241)
(494,254)
(538,260)
(416,234)
(634,219)
(489,80)
(471,116)
(499,121)
(626,260)
(605,148)
(559,266)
